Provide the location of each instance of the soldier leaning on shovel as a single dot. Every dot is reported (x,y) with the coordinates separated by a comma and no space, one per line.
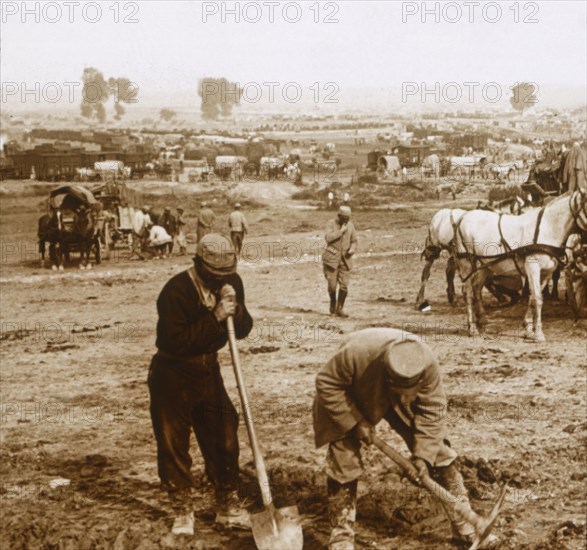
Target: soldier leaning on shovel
(186,387)
(377,374)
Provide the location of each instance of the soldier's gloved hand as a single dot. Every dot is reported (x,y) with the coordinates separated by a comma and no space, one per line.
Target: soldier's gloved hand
(363,431)
(225,308)
(421,466)
(350,252)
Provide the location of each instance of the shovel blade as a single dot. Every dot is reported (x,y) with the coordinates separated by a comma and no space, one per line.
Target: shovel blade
(277,529)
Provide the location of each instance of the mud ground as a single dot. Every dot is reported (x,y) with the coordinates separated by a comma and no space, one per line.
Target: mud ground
(76,348)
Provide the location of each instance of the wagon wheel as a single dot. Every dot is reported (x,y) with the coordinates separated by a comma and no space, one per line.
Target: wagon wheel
(576,284)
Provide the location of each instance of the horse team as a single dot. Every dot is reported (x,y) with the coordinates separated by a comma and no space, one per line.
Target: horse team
(498,250)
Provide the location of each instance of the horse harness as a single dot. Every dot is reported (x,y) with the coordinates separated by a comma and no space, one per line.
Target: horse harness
(556,252)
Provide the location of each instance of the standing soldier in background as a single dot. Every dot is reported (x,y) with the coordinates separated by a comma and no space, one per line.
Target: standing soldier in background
(186,387)
(330,199)
(140,231)
(238,228)
(205,221)
(381,373)
(341,244)
(168,222)
(181,240)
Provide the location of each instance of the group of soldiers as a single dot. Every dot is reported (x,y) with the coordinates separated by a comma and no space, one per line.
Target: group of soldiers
(376,374)
(156,236)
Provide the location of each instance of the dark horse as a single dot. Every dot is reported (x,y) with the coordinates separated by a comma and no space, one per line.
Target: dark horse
(47,233)
(78,232)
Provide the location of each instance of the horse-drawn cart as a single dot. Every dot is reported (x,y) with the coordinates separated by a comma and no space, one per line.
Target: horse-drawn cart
(118,207)
(74,225)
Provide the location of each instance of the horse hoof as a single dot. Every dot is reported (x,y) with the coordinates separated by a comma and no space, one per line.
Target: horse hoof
(89,266)
(53,268)
(82,266)
(537,337)
(473,332)
(61,268)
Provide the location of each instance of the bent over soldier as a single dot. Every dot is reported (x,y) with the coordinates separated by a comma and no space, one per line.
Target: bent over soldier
(377,374)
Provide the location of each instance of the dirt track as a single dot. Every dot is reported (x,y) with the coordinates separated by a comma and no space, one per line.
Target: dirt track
(75,351)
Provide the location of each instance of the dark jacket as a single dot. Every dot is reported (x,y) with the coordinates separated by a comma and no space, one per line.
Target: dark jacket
(186,327)
(168,222)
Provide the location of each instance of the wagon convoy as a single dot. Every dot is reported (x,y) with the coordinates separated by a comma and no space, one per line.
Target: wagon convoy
(93,222)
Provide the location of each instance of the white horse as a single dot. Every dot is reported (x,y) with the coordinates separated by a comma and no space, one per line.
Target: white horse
(531,244)
(441,233)
(440,236)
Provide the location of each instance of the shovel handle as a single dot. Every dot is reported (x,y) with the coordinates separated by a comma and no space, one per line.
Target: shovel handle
(257,456)
(435,489)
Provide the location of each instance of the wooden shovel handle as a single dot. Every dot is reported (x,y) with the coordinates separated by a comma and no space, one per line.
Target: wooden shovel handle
(257,456)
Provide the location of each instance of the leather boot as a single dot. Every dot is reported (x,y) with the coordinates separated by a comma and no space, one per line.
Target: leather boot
(340,305)
(230,511)
(332,302)
(342,506)
(452,480)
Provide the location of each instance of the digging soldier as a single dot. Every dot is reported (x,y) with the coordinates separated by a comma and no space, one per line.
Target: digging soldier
(186,387)
(341,244)
(377,374)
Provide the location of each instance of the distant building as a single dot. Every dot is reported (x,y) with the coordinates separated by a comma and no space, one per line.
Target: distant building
(61,161)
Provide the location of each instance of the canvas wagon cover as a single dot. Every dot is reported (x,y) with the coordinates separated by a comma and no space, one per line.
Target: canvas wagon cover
(71,197)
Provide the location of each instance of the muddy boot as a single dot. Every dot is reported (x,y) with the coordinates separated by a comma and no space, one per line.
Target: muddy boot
(451,479)
(340,305)
(230,511)
(332,302)
(342,505)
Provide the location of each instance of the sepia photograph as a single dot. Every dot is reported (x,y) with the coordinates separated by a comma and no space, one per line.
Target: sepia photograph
(287,275)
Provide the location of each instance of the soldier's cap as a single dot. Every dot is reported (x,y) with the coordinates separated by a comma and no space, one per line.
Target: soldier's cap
(146,207)
(344,211)
(167,209)
(203,204)
(237,205)
(406,362)
(217,254)
(179,209)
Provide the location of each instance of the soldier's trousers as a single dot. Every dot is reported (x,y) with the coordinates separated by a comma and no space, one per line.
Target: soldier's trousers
(337,276)
(237,238)
(190,395)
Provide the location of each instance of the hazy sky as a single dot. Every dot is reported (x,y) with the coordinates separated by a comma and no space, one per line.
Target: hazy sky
(171,46)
